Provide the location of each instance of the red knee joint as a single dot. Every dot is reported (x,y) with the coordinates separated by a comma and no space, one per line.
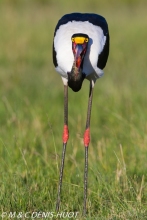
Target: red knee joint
(65,134)
(87,137)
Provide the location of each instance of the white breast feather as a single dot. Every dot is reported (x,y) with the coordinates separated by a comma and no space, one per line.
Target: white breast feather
(63,47)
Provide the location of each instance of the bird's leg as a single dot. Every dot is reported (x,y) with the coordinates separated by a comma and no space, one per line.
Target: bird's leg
(65,139)
(86,144)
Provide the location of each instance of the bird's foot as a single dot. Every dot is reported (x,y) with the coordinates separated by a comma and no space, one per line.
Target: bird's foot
(87,137)
(65,134)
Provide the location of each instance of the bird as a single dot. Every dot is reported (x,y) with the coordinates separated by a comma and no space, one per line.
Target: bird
(80,51)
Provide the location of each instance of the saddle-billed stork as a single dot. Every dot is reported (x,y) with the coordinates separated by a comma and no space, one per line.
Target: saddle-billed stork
(80,51)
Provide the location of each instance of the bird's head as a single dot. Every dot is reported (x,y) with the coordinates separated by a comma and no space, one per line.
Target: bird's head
(79,48)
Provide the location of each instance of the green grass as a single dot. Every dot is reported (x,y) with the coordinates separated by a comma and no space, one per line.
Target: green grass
(31,114)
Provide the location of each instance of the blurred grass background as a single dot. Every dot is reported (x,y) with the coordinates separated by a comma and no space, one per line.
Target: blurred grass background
(31,113)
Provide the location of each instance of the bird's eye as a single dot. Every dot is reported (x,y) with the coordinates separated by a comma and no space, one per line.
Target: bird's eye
(73,40)
(86,40)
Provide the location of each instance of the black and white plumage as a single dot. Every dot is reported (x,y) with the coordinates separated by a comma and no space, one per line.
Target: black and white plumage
(80,50)
(94,61)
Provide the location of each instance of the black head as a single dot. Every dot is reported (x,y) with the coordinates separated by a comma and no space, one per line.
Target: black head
(75,80)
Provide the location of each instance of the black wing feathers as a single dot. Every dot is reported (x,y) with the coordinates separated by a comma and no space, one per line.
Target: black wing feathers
(103,56)
(95,19)
(54,57)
